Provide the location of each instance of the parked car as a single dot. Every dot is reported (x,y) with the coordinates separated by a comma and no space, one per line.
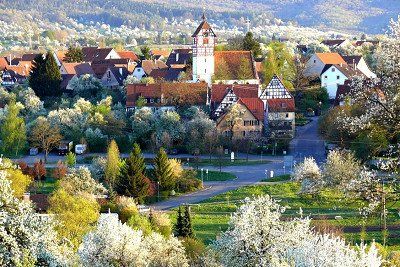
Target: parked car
(80,149)
(33,151)
(65,147)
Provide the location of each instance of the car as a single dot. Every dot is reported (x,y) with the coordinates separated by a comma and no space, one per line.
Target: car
(80,149)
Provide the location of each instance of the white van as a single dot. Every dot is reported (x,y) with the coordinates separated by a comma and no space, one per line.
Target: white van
(80,149)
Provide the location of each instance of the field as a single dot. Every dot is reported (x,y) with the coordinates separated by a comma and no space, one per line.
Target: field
(210,217)
(215,176)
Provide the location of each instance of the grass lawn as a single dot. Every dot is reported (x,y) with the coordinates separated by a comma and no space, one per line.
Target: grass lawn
(282,178)
(211,216)
(44,187)
(215,176)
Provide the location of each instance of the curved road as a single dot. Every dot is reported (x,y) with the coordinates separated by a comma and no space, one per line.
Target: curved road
(306,143)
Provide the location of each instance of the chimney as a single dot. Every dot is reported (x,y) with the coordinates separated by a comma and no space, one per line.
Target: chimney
(177,57)
(354,63)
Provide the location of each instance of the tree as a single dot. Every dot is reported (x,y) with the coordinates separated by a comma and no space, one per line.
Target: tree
(163,172)
(25,239)
(279,61)
(178,227)
(187,230)
(12,131)
(86,86)
(79,181)
(45,136)
(145,50)
(60,171)
(70,159)
(310,176)
(128,247)
(45,76)
(74,54)
(132,181)
(76,214)
(37,77)
(257,236)
(113,164)
(250,44)
(222,71)
(19,181)
(245,71)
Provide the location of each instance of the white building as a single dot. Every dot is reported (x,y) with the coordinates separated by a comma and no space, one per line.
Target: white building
(204,40)
(334,75)
(359,63)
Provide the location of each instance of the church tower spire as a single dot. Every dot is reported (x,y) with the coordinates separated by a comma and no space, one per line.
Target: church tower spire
(204,40)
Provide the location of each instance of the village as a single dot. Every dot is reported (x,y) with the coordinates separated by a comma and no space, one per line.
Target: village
(152,149)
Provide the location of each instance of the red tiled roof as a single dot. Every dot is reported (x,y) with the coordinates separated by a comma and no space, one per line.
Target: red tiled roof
(234,59)
(281,105)
(95,53)
(3,63)
(29,57)
(21,70)
(149,65)
(219,91)
(255,106)
(129,55)
(164,53)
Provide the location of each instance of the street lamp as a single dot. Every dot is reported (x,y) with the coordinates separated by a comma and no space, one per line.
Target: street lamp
(202,181)
(207,173)
(158,191)
(266,173)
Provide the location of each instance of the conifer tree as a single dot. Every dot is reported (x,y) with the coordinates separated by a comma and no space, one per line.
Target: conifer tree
(113,164)
(179,223)
(36,77)
(250,44)
(187,230)
(132,181)
(52,76)
(74,54)
(163,172)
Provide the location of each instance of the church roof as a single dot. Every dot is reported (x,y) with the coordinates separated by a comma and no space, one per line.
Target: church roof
(233,60)
(204,25)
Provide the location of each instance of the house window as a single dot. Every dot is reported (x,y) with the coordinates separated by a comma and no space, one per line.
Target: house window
(287,115)
(151,100)
(333,69)
(205,60)
(338,77)
(244,133)
(205,70)
(315,61)
(326,77)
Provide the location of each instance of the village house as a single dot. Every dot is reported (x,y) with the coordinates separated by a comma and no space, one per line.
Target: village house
(161,54)
(179,58)
(337,43)
(279,108)
(94,53)
(145,67)
(318,61)
(334,75)
(358,62)
(114,77)
(70,70)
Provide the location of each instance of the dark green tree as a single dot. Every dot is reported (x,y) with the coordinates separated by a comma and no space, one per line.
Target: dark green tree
(163,172)
(74,54)
(45,76)
(132,181)
(36,77)
(145,50)
(52,76)
(179,223)
(250,44)
(187,230)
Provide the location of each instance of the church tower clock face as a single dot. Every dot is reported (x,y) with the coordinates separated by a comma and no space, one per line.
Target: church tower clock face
(204,40)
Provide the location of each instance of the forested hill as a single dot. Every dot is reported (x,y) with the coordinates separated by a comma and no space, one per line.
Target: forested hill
(370,16)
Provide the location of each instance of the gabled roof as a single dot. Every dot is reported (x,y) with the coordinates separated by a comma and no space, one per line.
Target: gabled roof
(330,58)
(15,61)
(171,74)
(361,42)
(65,79)
(347,70)
(341,92)
(29,57)
(120,74)
(219,91)
(179,57)
(333,42)
(233,60)
(78,68)
(255,106)
(275,89)
(95,53)
(19,70)
(3,63)
(60,55)
(149,65)
(160,53)
(129,55)
(281,105)
(204,26)
(352,59)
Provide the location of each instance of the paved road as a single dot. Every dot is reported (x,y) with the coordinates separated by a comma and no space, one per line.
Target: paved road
(306,143)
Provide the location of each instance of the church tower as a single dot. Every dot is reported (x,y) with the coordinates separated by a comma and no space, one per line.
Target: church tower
(204,40)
